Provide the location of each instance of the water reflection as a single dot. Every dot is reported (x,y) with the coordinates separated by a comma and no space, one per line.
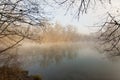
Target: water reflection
(46,55)
(68,62)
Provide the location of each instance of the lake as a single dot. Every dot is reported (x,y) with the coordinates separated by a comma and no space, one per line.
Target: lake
(68,61)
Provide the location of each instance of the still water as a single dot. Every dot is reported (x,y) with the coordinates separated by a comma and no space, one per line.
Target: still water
(70,61)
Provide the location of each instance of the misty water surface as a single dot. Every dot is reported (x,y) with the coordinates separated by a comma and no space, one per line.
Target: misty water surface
(70,61)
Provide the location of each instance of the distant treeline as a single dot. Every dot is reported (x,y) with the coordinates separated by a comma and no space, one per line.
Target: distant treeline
(48,33)
(58,33)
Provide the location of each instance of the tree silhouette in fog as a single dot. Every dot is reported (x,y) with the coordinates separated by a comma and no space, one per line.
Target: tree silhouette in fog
(109,32)
(59,33)
(110,35)
(16,19)
(15,15)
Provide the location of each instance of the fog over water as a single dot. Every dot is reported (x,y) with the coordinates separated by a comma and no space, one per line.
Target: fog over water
(68,61)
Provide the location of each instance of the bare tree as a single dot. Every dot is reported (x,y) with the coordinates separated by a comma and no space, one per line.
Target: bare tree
(13,15)
(110,35)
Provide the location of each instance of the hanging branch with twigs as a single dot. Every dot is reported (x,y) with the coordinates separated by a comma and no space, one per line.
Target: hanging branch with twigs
(81,6)
(110,35)
(13,15)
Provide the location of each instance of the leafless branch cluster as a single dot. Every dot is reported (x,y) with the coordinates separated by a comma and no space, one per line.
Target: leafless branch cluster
(110,35)
(81,5)
(13,15)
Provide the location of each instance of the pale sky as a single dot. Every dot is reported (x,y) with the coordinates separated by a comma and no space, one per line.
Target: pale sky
(86,21)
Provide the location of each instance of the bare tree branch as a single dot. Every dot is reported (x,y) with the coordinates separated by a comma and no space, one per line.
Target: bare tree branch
(110,35)
(14,12)
(81,5)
